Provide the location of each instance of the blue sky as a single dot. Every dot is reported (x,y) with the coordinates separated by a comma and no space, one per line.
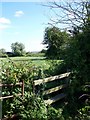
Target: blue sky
(23,22)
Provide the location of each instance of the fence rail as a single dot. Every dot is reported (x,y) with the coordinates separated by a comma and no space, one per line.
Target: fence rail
(49,79)
(16,84)
(10,84)
(55,98)
(54,89)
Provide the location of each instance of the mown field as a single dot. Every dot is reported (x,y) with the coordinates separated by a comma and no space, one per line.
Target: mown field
(35,61)
(23,58)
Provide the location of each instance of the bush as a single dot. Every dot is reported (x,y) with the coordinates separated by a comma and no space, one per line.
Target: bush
(32,108)
(11,72)
(56,67)
(54,114)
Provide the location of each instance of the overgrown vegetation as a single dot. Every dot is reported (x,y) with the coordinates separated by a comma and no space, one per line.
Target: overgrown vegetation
(30,106)
(75,52)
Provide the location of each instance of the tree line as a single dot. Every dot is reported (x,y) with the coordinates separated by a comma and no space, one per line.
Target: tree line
(18,49)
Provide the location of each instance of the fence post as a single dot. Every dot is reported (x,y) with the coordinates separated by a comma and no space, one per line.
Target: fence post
(23,88)
(33,87)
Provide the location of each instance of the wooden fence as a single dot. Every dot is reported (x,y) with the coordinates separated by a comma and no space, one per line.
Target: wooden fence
(46,92)
(54,89)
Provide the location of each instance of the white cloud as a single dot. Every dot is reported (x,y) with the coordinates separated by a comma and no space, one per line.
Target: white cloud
(19,13)
(4,21)
(2,26)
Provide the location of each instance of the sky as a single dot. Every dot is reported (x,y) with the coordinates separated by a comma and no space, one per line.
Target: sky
(23,22)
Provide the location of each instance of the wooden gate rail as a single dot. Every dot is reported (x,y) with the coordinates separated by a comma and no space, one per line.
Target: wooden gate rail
(54,89)
(49,79)
(17,84)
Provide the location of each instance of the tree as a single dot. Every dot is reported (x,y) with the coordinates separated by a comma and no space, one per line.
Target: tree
(18,48)
(55,41)
(2,52)
(71,13)
(77,57)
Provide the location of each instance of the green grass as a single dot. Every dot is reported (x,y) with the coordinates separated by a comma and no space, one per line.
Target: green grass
(35,61)
(39,62)
(23,58)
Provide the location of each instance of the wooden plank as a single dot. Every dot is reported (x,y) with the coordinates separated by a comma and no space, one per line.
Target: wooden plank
(49,79)
(87,85)
(11,96)
(11,84)
(54,89)
(54,99)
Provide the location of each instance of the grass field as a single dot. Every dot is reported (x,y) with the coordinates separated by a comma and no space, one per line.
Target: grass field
(23,58)
(36,61)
